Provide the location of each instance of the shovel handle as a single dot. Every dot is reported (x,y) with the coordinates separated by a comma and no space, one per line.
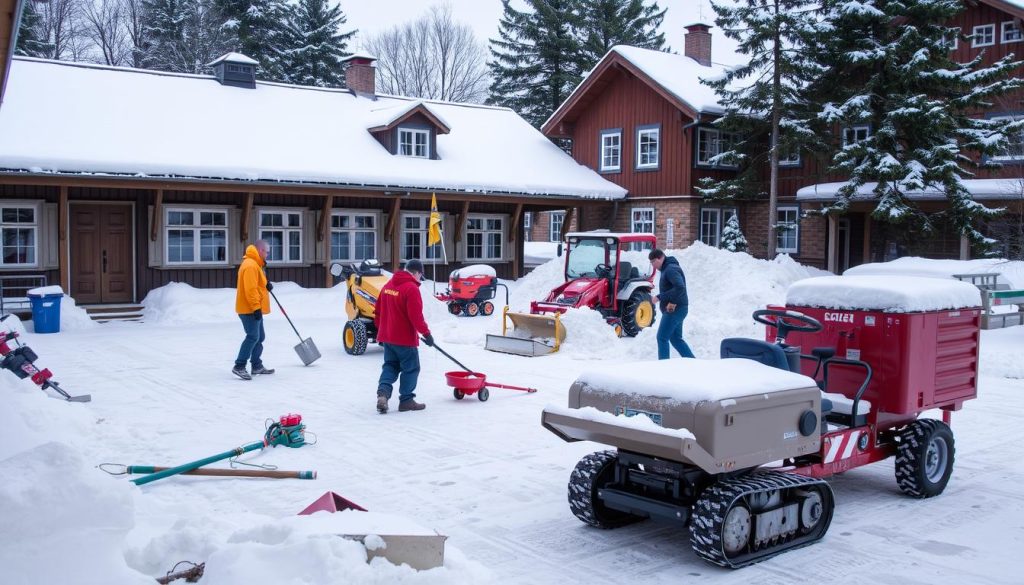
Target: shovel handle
(285,313)
(445,354)
(509,387)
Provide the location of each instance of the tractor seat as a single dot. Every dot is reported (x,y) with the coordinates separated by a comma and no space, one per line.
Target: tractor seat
(823,353)
(625,270)
(766,353)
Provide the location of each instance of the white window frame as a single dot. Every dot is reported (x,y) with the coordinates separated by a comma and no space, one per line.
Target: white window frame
(855,130)
(953,40)
(607,150)
(976,31)
(197,228)
(412,142)
(286,230)
(653,162)
(426,253)
(721,217)
(641,221)
(555,233)
(1010,26)
(487,234)
(790,162)
(352,230)
(1010,157)
(36,208)
(527,225)
(785,210)
(718,140)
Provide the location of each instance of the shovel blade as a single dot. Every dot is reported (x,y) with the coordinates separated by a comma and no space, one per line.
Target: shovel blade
(307,351)
(82,398)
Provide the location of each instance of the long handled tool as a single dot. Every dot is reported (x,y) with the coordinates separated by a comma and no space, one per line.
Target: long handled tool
(271,473)
(306,349)
(20,360)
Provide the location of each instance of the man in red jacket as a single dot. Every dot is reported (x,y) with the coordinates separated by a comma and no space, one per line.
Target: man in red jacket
(399,316)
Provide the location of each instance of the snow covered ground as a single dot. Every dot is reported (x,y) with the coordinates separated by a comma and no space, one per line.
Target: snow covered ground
(485,474)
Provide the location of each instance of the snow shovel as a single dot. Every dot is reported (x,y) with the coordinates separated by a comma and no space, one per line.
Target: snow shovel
(306,349)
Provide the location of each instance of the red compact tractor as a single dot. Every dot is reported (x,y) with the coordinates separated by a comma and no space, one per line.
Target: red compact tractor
(738,449)
(470,290)
(595,278)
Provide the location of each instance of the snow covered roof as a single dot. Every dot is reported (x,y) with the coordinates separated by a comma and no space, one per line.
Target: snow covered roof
(387,116)
(1010,272)
(892,294)
(979,189)
(87,119)
(234,58)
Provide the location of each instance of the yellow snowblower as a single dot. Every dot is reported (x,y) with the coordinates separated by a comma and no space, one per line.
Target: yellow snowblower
(364,281)
(596,278)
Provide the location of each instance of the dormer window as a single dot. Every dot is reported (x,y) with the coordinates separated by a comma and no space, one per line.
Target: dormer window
(414,142)
(232,68)
(235,69)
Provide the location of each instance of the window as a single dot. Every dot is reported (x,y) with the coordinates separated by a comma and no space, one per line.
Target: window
(611,150)
(353,235)
(1011,32)
(789,157)
(711,143)
(283,231)
(19,235)
(641,222)
(527,225)
(414,238)
(555,226)
(984,35)
(952,39)
(1015,143)
(196,236)
(239,69)
(484,237)
(787,229)
(711,222)
(855,134)
(648,147)
(412,142)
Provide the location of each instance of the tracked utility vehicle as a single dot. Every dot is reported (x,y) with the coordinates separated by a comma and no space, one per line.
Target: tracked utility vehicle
(737,448)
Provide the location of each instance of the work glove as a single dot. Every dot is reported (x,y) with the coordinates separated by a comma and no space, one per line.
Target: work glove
(258,314)
(270,286)
(429,340)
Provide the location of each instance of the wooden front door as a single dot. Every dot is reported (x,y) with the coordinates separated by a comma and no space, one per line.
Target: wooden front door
(101,253)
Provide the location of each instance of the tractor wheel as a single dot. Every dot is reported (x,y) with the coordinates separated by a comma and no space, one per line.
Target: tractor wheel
(487,308)
(637,313)
(454,308)
(472,309)
(924,459)
(593,473)
(354,338)
(459,395)
(483,394)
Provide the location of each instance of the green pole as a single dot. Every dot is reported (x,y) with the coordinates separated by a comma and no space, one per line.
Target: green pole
(197,464)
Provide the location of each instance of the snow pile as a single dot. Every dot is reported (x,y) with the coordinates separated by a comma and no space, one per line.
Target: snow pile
(1011,271)
(638,422)
(72,316)
(180,303)
(473,270)
(694,380)
(1001,352)
(893,294)
(535,253)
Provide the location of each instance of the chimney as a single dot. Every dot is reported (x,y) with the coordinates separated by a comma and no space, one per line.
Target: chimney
(698,43)
(360,74)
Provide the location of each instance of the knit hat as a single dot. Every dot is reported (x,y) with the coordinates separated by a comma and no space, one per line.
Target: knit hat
(414,265)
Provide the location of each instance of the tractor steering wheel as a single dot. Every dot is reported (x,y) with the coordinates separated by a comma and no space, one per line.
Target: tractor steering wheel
(787,321)
(603,271)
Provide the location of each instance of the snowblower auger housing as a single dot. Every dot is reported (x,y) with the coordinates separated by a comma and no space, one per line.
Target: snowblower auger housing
(363,281)
(596,278)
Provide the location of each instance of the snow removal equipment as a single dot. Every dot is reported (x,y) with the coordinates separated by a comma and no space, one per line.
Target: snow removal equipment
(471,290)
(364,282)
(738,449)
(596,278)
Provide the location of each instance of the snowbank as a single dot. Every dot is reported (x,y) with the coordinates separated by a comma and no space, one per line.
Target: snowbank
(892,294)
(180,303)
(536,253)
(1002,351)
(1011,271)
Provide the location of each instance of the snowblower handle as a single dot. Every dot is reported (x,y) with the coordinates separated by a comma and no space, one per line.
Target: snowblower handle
(457,362)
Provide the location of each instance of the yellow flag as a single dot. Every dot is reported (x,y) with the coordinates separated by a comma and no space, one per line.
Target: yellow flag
(434,231)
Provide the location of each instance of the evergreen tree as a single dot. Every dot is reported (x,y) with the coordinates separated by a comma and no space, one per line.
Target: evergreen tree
(257,30)
(732,237)
(536,60)
(765,96)
(164,27)
(887,68)
(607,23)
(183,35)
(314,45)
(32,38)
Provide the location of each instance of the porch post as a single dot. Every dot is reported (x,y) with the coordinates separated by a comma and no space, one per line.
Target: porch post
(64,254)
(965,248)
(867,238)
(391,233)
(324,235)
(833,243)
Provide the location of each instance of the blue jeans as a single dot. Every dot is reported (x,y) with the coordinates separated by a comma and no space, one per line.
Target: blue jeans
(404,360)
(252,345)
(671,332)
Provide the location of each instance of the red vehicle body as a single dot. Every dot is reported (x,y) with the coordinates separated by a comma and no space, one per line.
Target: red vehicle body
(471,295)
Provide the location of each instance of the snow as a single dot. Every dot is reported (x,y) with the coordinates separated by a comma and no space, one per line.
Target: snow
(695,380)
(234,58)
(381,117)
(473,270)
(636,422)
(487,475)
(535,253)
(315,135)
(677,74)
(1011,272)
(892,294)
(981,189)
(53,289)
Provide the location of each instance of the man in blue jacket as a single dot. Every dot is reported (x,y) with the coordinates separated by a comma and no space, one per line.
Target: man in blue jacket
(673,302)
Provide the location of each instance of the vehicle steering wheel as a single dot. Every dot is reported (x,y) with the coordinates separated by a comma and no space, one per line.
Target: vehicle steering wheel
(787,321)
(603,271)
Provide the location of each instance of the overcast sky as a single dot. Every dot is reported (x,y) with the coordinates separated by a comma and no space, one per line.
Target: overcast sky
(372,16)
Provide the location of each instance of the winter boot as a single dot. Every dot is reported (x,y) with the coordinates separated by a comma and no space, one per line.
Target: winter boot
(410,405)
(261,370)
(382,403)
(241,373)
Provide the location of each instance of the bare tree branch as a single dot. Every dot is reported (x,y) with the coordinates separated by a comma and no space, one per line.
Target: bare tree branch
(103,24)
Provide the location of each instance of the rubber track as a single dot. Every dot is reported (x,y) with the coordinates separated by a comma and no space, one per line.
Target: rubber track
(709,514)
(581,497)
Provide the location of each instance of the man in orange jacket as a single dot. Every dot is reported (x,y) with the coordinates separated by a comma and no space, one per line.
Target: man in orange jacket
(400,323)
(252,301)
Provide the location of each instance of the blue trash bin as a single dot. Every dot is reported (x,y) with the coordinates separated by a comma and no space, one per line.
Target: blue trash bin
(46,312)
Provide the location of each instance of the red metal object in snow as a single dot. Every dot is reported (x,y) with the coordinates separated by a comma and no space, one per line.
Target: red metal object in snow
(469,383)
(330,502)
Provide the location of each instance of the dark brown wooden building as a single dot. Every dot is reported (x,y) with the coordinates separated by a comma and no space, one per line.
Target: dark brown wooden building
(114,182)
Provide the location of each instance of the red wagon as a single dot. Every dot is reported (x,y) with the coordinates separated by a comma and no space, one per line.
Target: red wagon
(469,383)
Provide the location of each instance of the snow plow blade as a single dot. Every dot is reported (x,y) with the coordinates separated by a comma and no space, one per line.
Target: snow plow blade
(532,335)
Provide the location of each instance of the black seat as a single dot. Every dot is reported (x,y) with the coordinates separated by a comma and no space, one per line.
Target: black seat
(823,353)
(768,354)
(625,273)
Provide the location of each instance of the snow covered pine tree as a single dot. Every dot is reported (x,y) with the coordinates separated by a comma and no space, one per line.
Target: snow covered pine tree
(313,44)
(732,237)
(607,23)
